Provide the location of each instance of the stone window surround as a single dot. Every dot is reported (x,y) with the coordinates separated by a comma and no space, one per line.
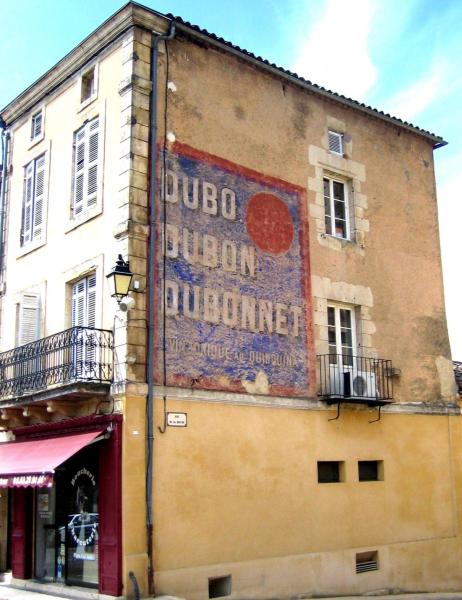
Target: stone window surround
(330,165)
(325,292)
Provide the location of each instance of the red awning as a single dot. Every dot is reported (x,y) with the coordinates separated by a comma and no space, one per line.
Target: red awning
(33,463)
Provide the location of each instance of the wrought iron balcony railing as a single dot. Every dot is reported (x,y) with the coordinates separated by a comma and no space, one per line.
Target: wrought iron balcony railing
(79,354)
(355,379)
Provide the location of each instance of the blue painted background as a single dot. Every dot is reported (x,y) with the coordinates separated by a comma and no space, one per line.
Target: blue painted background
(279,279)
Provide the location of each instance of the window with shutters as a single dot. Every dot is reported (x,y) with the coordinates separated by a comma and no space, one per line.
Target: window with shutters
(33,207)
(84,350)
(86,168)
(84,302)
(37,126)
(28,319)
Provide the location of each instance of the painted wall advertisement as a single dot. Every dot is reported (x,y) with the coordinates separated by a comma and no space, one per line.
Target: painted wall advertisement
(233,311)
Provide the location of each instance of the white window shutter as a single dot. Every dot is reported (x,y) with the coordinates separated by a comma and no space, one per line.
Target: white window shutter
(29,319)
(28,203)
(91,301)
(92,168)
(79,293)
(39,197)
(79,171)
(86,167)
(84,302)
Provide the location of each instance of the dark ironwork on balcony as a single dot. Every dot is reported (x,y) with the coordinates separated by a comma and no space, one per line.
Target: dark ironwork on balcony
(360,379)
(79,354)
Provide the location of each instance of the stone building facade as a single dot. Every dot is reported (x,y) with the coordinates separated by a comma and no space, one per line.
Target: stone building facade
(277,414)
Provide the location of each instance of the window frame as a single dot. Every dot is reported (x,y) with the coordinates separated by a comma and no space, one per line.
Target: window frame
(333,215)
(37,137)
(85,101)
(337,308)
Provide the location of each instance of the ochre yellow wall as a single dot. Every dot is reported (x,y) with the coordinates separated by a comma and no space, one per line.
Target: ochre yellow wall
(236,492)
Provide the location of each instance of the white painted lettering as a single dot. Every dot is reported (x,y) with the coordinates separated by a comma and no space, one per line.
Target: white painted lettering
(171,184)
(191,302)
(228,204)
(248,313)
(172,239)
(230,306)
(265,315)
(171,298)
(211,306)
(229,256)
(281,319)
(248,260)
(192,256)
(209,198)
(188,201)
(209,251)
(296,312)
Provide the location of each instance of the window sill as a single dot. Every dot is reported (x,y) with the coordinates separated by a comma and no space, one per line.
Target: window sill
(336,237)
(82,219)
(36,141)
(30,247)
(83,105)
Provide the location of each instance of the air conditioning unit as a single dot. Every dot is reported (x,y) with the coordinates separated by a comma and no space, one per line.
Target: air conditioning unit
(336,380)
(361,384)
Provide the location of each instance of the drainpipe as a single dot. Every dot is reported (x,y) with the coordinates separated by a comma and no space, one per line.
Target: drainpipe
(5,136)
(151,301)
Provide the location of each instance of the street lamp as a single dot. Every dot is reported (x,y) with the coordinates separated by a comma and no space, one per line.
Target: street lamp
(121,278)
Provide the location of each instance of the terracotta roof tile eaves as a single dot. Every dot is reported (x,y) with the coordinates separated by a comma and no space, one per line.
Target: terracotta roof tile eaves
(437,140)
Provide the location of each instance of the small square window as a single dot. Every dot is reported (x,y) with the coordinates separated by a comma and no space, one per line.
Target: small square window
(370,470)
(330,471)
(36,126)
(335,142)
(88,86)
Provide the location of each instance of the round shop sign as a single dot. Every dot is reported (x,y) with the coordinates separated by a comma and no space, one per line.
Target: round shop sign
(83,525)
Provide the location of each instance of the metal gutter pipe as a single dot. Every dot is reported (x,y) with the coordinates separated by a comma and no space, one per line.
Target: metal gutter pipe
(150,300)
(5,136)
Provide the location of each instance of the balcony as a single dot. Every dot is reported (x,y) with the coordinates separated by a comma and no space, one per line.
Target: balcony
(355,379)
(77,361)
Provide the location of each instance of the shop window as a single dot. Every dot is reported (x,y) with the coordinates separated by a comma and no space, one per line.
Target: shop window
(367,561)
(220,586)
(336,208)
(331,471)
(370,470)
(335,142)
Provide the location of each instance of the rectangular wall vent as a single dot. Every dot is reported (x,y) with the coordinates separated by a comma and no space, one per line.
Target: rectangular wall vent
(220,586)
(367,561)
(335,142)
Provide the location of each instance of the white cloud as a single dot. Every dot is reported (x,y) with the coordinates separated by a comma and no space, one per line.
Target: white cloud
(335,51)
(420,95)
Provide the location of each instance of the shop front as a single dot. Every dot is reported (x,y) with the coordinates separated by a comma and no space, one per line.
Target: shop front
(65,485)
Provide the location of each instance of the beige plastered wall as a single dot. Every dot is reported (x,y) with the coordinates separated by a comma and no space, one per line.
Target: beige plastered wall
(70,250)
(236,491)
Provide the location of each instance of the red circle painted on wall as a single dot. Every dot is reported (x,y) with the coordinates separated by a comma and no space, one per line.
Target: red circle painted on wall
(269,223)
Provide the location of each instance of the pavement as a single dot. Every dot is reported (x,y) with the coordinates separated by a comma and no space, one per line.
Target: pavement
(11,593)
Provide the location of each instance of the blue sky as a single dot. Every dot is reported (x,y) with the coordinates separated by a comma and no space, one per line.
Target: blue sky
(401,56)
